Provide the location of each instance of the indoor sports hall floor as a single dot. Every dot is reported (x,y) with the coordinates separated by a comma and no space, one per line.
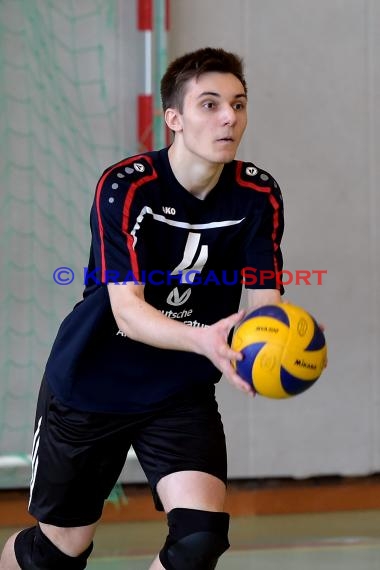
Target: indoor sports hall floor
(334,541)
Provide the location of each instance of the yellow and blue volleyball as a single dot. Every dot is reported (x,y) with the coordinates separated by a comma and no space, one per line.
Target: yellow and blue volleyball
(284,350)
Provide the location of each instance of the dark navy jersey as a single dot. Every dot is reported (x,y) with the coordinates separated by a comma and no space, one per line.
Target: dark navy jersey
(193,256)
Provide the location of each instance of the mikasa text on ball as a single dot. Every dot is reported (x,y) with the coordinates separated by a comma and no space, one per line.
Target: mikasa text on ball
(284,350)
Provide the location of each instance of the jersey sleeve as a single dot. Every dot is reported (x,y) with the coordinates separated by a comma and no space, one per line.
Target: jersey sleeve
(263,256)
(117,221)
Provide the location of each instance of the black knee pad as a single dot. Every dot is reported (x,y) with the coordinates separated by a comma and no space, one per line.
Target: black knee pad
(196,539)
(34,551)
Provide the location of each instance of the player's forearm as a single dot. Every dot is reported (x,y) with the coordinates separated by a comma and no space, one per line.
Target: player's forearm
(140,321)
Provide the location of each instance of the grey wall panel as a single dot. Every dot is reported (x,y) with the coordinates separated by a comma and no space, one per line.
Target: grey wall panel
(313,80)
(373,27)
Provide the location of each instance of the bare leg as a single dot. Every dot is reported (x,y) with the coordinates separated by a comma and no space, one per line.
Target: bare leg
(186,489)
(8,558)
(71,541)
(156,565)
(191,490)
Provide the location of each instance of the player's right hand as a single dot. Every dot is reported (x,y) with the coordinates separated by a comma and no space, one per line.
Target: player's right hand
(214,343)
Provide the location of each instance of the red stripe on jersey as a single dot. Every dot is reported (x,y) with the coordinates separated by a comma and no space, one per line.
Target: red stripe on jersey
(248,183)
(276,224)
(275,205)
(126,213)
(99,189)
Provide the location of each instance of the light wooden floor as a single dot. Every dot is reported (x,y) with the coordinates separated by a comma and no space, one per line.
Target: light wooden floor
(342,539)
(338,558)
(328,541)
(334,541)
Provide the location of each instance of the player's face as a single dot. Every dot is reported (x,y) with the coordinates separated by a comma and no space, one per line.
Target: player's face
(214,116)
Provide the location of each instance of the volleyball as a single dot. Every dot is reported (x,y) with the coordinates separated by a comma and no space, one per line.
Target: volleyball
(284,350)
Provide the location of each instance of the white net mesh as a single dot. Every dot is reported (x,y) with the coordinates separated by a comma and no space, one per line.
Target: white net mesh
(62,122)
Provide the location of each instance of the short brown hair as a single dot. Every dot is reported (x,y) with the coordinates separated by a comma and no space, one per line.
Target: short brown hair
(194,64)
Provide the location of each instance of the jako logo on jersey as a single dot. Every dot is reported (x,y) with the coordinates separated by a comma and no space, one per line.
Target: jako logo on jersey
(251,171)
(176,299)
(139,167)
(168,210)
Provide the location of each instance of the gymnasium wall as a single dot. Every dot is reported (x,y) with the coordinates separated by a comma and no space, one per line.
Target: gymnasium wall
(313,77)
(313,82)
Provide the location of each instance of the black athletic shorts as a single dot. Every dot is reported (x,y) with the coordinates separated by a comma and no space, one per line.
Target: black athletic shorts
(78,456)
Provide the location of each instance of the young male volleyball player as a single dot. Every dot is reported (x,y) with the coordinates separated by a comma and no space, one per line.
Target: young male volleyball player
(136,361)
